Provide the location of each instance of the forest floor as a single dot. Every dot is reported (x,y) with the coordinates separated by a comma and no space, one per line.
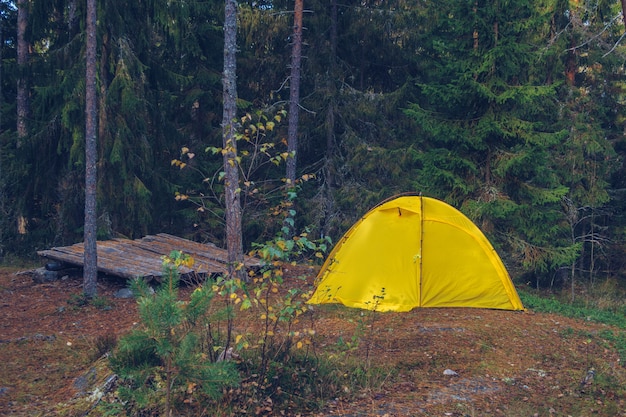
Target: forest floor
(505,363)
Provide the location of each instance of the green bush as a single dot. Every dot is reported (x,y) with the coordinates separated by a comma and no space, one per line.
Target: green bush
(164,360)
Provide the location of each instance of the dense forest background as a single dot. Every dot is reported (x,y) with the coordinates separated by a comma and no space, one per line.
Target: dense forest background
(510,110)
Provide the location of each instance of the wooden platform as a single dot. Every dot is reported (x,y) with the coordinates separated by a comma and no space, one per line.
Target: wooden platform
(142,257)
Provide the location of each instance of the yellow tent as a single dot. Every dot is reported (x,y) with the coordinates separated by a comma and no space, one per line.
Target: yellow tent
(414,251)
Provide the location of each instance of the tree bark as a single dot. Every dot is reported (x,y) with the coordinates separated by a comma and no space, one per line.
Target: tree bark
(3,213)
(90,228)
(232,195)
(104,84)
(294,92)
(22,80)
(329,176)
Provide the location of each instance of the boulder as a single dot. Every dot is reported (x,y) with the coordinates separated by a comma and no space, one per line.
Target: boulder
(124,293)
(41,275)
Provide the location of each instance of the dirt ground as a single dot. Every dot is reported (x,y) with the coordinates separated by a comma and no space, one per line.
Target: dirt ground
(441,362)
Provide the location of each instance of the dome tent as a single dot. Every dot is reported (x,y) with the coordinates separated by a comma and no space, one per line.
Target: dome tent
(413,251)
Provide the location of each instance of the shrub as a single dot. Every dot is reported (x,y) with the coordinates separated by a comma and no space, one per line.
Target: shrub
(163,359)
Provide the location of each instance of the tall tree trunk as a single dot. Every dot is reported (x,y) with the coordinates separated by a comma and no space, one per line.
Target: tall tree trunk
(234,242)
(104,83)
(3,203)
(90,248)
(294,92)
(570,65)
(22,79)
(329,176)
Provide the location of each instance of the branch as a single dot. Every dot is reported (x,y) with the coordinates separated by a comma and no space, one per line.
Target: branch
(615,46)
(606,27)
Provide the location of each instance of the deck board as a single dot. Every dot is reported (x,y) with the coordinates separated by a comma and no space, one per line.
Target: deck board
(142,257)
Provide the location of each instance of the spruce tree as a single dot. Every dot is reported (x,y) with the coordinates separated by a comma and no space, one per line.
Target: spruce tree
(489,127)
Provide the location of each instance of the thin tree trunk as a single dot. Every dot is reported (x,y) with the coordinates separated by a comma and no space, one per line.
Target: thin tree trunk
(329,177)
(104,83)
(3,203)
(90,248)
(22,79)
(232,195)
(294,92)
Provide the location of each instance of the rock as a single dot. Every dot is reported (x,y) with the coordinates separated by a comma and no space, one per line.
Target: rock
(3,391)
(41,275)
(54,266)
(84,381)
(450,372)
(124,293)
(90,388)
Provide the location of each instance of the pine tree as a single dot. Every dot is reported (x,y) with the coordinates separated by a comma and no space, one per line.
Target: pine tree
(168,345)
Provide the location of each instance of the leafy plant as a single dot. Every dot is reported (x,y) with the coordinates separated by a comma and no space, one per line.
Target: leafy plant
(276,355)
(264,194)
(577,310)
(80,300)
(163,358)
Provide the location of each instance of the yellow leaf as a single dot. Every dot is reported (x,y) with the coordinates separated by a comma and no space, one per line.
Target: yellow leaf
(299,345)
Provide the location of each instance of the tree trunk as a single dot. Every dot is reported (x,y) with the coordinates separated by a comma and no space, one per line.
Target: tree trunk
(104,84)
(3,204)
(231,166)
(570,65)
(294,92)
(22,80)
(90,248)
(329,177)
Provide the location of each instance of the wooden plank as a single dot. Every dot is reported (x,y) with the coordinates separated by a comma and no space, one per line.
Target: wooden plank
(143,257)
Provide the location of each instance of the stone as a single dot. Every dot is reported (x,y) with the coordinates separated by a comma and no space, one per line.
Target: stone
(124,293)
(41,275)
